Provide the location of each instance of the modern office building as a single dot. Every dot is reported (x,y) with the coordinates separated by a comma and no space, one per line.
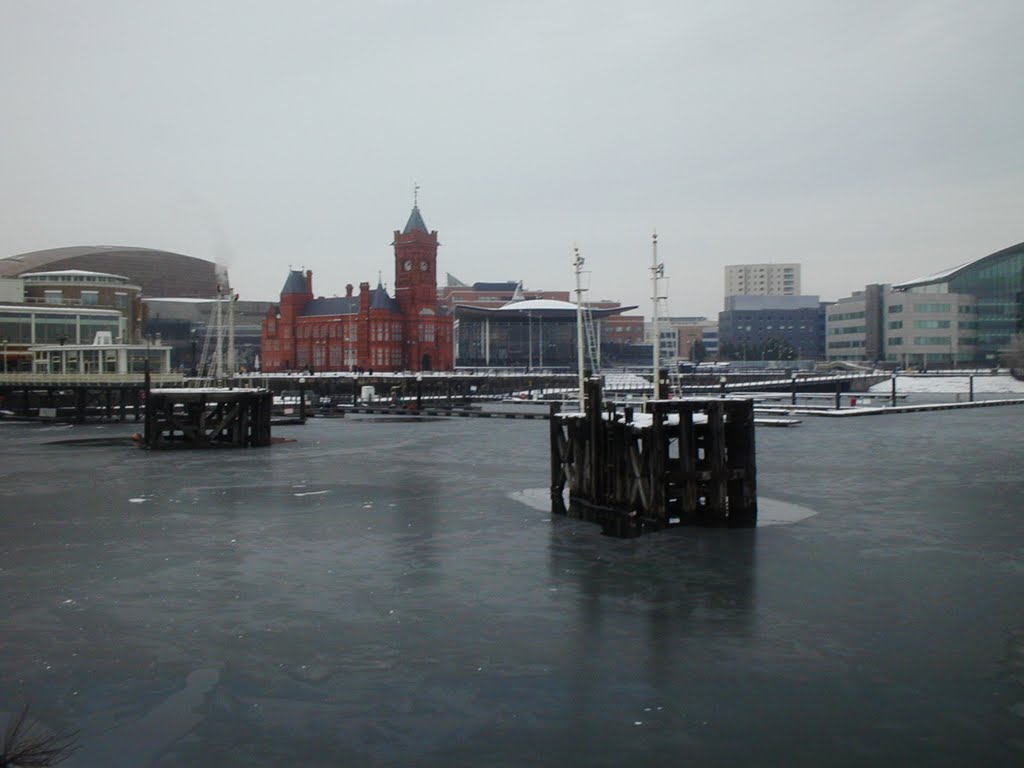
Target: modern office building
(490,294)
(880,324)
(762,280)
(102,355)
(771,328)
(82,288)
(23,326)
(996,284)
(185,325)
(533,333)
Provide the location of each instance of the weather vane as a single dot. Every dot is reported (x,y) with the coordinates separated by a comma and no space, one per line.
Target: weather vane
(415,194)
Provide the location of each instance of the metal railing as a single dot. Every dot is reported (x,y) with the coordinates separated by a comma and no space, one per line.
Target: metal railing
(36,379)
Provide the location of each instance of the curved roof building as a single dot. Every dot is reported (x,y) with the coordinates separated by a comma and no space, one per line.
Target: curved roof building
(997,282)
(159,273)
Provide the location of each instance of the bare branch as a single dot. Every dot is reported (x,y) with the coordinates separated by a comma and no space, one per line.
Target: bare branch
(26,746)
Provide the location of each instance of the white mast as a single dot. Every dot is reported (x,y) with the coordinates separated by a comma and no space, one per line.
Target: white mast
(232,361)
(218,352)
(578,264)
(657,270)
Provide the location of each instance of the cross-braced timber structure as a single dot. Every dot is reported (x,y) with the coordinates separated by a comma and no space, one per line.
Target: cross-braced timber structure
(680,462)
(206,418)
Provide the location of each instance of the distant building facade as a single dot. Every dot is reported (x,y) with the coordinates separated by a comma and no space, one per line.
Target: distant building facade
(995,283)
(81,288)
(880,324)
(772,328)
(491,294)
(185,324)
(156,272)
(528,334)
(22,326)
(369,331)
(762,280)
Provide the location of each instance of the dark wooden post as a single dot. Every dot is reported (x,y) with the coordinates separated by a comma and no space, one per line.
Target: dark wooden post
(792,390)
(839,395)
(150,432)
(892,397)
(81,400)
(970,388)
(558,449)
(716,492)
(594,408)
(656,465)
(741,464)
(686,471)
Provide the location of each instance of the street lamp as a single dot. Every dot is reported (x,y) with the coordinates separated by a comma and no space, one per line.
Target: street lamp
(194,341)
(529,333)
(4,343)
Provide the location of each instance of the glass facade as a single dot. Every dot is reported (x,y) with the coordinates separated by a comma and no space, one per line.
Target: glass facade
(30,326)
(998,283)
(518,342)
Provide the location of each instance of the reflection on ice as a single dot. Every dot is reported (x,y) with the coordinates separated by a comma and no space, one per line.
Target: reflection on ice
(769,511)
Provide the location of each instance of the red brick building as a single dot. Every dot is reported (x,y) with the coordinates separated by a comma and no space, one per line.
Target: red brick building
(372,330)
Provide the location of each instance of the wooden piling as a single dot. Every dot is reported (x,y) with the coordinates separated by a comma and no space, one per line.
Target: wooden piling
(198,418)
(684,462)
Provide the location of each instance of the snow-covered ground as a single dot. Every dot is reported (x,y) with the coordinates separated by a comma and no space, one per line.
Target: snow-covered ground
(1000,384)
(625,382)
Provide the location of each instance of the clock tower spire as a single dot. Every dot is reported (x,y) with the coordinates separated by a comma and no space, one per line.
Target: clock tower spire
(415,263)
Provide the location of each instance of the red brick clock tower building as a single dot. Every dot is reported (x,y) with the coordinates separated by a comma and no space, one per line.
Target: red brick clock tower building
(371,330)
(416,293)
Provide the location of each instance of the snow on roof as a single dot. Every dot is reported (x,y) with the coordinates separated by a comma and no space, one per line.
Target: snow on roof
(71,273)
(538,304)
(931,278)
(182,300)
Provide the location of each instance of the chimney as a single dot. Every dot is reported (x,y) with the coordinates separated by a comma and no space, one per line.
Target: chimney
(309,280)
(364,297)
(348,291)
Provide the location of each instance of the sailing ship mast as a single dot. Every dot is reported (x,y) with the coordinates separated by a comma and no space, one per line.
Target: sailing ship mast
(657,271)
(578,265)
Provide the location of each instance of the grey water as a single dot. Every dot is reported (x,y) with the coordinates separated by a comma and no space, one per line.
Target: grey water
(394,592)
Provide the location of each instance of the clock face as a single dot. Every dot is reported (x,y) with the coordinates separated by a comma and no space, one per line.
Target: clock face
(423,266)
(407,265)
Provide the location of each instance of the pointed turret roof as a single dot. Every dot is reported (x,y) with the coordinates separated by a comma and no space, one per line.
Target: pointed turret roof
(415,222)
(296,283)
(381,300)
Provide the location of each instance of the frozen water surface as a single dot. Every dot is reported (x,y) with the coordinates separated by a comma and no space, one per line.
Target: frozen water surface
(391,592)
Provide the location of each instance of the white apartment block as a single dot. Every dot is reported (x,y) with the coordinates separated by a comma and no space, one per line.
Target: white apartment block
(762,280)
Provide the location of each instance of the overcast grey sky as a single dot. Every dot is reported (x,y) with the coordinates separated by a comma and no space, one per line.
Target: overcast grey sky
(869,141)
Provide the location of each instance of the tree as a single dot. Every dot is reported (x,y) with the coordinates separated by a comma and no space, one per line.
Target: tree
(25,745)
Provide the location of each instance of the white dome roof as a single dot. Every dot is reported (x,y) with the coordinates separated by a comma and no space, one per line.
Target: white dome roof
(538,305)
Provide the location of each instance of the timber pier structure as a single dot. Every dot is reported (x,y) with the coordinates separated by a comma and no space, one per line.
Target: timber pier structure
(680,462)
(207,418)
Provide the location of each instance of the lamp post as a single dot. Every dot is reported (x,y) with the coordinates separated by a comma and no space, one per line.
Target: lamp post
(4,343)
(193,340)
(529,333)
